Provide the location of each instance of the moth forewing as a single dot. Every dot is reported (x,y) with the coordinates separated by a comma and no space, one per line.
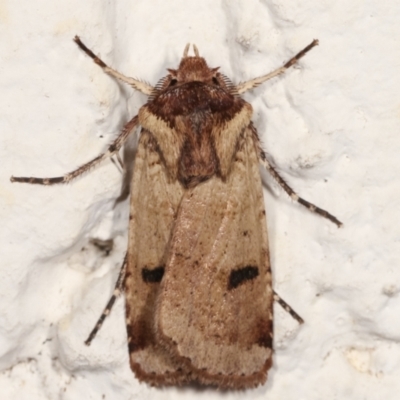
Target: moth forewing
(152,216)
(215,305)
(197,276)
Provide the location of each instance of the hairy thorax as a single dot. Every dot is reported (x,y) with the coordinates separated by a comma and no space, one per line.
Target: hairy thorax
(193,118)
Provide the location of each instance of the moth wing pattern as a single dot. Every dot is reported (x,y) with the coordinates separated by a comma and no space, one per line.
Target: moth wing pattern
(215,307)
(152,216)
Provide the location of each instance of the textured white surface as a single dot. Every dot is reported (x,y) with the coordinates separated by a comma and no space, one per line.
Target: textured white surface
(331,125)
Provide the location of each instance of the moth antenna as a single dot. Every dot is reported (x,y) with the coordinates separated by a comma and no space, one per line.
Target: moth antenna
(136,84)
(196,51)
(244,86)
(185,52)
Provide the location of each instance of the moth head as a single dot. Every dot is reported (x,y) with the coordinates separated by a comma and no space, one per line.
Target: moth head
(194,69)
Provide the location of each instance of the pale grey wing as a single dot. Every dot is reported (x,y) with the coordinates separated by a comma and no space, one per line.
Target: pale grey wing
(215,305)
(154,203)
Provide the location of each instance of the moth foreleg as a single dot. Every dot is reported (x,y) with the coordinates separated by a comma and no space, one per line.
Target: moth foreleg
(113,148)
(244,86)
(136,84)
(287,308)
(117,291)
(293,194)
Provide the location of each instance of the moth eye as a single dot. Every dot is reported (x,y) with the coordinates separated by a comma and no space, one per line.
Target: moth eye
(173,82)
(215,81)
(152,275)
(241,275)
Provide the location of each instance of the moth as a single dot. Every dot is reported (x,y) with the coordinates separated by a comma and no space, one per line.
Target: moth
(197,275)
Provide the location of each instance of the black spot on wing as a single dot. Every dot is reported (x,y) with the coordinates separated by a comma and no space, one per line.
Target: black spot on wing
(152,275)
(241,275)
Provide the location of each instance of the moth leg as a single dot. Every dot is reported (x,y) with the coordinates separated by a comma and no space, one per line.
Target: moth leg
(117,291)
(287,308)
(138,85)
(245,86)
(293,194)
(113,148)
(119,164)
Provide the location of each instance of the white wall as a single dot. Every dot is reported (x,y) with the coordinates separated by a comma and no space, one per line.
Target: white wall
(331,125)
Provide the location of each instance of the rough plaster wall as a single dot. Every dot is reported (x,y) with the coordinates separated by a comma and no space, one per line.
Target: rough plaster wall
(331,125)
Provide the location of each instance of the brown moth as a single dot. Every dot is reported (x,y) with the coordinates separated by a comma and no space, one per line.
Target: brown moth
(197,275)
